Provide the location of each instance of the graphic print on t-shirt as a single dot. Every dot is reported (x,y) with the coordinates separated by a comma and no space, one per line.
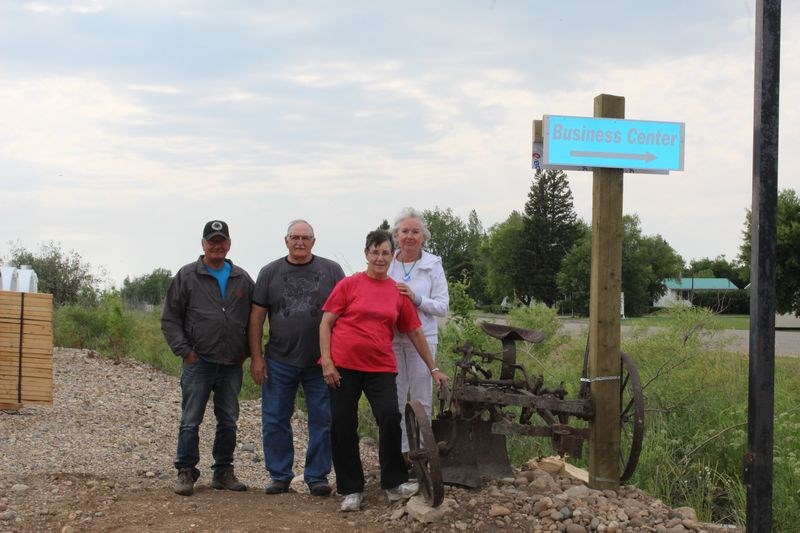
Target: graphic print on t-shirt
(299,293)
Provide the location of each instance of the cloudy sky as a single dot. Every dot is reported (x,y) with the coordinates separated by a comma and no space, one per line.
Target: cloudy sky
(126,124)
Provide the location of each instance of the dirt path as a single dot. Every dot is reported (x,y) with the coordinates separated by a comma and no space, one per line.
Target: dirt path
(100,459)
(75,502)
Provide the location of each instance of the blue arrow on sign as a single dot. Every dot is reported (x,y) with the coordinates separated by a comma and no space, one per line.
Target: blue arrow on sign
(612,143)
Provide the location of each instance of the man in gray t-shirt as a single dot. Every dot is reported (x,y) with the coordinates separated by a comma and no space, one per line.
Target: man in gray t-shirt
(291,291)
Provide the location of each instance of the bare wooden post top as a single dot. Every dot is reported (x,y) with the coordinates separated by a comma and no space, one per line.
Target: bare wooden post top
(604,313)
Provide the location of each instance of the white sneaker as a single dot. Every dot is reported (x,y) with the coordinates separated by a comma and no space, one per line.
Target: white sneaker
(352,502)
(403,491)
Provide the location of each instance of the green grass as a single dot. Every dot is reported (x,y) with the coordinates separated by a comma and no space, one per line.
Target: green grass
(696,397)
(696,412)
(665,319)
(114,332)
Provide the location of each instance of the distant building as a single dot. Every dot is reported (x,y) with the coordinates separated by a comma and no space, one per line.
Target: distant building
(682,291)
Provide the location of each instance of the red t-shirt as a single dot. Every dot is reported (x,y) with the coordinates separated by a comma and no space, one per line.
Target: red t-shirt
(367,309)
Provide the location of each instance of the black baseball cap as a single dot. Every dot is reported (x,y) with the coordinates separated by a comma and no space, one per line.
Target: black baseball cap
(214,228)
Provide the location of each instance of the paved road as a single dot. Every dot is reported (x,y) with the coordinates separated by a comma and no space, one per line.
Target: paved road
(787,342)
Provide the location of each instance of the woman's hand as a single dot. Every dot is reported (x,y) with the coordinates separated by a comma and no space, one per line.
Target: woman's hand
(440,378)
(405,290)
(330,374)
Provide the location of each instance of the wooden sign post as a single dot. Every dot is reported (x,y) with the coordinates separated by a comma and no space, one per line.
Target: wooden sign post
(604,316)
(608,145)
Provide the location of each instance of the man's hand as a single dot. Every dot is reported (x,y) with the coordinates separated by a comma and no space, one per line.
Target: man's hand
(191,358)
(258,369)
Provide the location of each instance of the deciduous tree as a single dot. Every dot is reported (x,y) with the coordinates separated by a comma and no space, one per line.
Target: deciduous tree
(719,267)
(787,268)
(458,244)
(449,241)
(148,289)
(646,262)
(500,253)
(65,275)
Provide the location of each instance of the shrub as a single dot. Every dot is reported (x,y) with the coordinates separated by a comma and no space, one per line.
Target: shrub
(725,303)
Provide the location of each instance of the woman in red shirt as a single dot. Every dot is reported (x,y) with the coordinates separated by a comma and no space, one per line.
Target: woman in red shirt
(356,356)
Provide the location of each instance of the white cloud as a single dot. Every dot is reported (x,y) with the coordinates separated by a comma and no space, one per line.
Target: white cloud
(155,89)
(65,6)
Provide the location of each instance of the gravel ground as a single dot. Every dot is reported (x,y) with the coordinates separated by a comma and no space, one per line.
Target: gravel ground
(100,459)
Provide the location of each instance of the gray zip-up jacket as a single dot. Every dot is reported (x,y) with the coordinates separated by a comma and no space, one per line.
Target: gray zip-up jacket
(195,317)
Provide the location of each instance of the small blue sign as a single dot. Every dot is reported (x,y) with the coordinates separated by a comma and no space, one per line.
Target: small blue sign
(612,143)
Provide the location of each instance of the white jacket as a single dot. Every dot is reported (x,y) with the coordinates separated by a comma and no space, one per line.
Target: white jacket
(429,284)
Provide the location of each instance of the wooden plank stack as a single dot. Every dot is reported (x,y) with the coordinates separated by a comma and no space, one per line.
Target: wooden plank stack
(26,349)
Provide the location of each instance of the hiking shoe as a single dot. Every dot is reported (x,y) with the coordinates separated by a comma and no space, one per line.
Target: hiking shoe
(277,487)
(352,502)
(403,491)
(226,479)
(185,484)
(319,488)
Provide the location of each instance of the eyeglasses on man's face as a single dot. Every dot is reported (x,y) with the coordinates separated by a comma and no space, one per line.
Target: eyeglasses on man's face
(298,238)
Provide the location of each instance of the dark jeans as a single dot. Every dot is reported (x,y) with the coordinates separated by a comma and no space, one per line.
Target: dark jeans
(198,380)
(381,392)
(278,392)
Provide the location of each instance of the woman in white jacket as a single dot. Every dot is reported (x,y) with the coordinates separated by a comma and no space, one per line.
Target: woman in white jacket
(420,276)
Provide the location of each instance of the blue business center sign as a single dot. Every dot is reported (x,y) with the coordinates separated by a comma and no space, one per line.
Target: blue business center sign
(612,143)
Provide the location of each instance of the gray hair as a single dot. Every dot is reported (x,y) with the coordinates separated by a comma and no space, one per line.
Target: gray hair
(298,221)
(405,214)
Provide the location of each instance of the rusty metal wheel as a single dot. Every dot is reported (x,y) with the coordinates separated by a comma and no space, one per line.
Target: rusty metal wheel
(423,452)
(631,416)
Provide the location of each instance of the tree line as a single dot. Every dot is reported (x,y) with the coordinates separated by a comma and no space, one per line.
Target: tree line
(541,253)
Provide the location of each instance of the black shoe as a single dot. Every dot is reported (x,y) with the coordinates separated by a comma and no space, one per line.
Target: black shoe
(226,479)
(185,484)
(319,488)
(277,487)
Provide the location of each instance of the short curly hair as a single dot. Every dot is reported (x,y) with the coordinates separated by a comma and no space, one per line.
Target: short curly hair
(410,212)
(378,237)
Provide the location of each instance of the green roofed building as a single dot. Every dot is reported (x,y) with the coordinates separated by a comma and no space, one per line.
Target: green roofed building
(682,290)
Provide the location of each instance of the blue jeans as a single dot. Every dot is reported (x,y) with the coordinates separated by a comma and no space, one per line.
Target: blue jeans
(278,392)
(198,380)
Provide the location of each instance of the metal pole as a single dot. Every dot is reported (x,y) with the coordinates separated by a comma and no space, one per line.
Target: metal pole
(761,399)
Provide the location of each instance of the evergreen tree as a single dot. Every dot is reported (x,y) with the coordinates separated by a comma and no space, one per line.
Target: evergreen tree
(477,268)
(551,228)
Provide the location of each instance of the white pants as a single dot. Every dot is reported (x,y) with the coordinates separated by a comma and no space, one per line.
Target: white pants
(414,381)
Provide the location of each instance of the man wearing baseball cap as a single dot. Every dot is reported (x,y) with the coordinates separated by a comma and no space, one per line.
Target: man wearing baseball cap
(205,322)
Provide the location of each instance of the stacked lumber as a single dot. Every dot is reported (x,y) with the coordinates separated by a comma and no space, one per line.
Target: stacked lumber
(26,349)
